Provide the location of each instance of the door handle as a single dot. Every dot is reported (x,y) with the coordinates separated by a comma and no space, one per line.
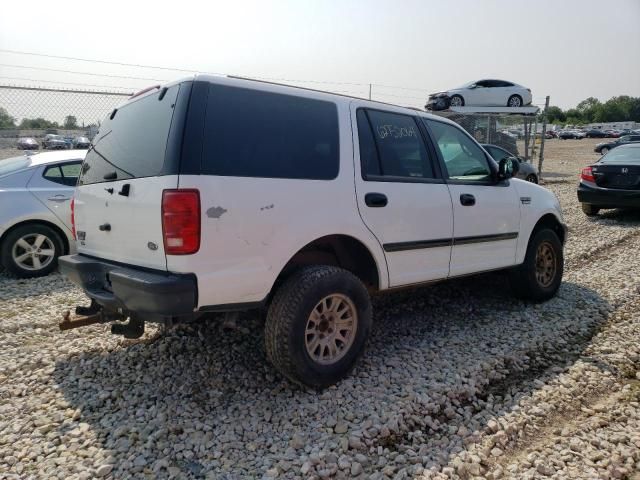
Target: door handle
(58,198)
(467,199)
(376,200)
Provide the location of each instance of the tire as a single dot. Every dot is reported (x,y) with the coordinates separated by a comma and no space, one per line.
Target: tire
(589,210)
(514,101)
(456,101)
(532,178)
(289,317)
(604,150)
(533,280)
(11,251)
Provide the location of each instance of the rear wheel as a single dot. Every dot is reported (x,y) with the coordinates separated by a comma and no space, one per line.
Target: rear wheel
(539,277)
(604,150)
(317,325)
(31,251)
(514,101)
(589,210)
(456,101)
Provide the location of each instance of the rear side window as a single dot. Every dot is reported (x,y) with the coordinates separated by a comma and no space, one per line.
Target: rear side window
(398,151)
(132,144)
(65,174)
(251,133)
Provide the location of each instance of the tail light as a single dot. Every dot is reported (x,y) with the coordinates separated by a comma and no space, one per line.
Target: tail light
(181,221)
(73,217)
(587,175)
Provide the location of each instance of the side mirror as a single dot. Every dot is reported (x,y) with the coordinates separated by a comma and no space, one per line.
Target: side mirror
(507,168)
(473,86)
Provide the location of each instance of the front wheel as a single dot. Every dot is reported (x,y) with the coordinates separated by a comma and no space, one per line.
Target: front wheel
(456,101)
(317,325)
(539,277)
(514,101)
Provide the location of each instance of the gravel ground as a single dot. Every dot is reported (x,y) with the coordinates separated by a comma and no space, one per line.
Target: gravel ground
(459,381)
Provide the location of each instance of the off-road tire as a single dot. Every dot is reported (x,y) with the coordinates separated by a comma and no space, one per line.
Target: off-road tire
(287,320)
(6,257)
(523,279)
(589,210)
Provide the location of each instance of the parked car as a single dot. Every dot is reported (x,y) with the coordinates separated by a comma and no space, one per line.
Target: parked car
(612,134)
(580,134)
(595,133)
(253,200)
(35,221)
(81,142)
(526,170)
(566,134)
(438,101)
(53,142)
(612,182)
(498,93)
(551,134)
(27,143)
(604,147)
(68,140)
(626,131)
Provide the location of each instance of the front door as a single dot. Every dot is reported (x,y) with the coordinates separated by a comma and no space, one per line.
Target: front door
(486,213)
(402,197)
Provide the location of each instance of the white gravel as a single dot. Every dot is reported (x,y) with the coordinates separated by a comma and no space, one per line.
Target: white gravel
(459,381)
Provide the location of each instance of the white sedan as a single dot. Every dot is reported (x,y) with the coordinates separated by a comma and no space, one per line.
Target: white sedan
(35,218)
(495,93)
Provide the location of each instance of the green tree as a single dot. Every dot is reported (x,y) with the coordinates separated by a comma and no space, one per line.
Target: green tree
(37,123)
(588,109)
(6,120)
(70,122)
(555,114)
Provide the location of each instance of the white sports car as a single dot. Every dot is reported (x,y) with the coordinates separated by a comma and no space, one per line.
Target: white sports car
(494,93)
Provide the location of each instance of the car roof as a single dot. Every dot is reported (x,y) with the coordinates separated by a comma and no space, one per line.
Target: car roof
(255,84)
(45,158)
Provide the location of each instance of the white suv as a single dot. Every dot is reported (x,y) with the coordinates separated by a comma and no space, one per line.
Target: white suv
(218,194)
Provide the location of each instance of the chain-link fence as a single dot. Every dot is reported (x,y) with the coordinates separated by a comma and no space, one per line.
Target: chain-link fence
(516,133)
(29,112)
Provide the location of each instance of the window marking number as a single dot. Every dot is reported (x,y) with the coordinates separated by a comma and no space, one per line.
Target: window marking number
(394,131)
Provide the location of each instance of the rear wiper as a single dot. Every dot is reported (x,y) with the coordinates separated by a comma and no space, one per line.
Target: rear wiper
(110,176)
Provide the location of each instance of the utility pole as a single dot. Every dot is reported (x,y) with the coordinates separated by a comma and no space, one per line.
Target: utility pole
(369,91)
(544,133)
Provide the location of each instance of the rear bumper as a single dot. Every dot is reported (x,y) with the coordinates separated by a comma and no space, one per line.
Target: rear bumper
(151,295)
(608,197)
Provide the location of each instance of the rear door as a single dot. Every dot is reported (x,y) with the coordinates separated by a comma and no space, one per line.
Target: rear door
(401,195)
(135,156)
(53,185)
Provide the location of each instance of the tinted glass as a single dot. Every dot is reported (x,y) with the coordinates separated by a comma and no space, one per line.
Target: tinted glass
(401,151)
(52,172)
(368,154)
(71,169)
(622,155)
(133,143)
(463,158)
(251,133)
(497,153)
(626,138)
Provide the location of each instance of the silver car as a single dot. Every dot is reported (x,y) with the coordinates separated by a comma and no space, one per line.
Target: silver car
(35,217)
(526,172)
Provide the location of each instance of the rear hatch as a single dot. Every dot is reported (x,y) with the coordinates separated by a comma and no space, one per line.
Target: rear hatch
(134,157)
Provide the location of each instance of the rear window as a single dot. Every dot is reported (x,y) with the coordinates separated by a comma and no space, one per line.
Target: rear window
(622,155)
(132,144)
(12,165)
(251,133)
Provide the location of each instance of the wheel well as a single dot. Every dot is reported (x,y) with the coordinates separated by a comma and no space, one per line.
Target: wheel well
(550,221)
(52,226)
(338,250)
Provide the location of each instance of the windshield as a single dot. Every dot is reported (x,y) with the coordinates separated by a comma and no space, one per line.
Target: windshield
(622,155)
(12,165)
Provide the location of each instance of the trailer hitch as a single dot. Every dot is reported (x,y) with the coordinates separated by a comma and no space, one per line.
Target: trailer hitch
(87,316)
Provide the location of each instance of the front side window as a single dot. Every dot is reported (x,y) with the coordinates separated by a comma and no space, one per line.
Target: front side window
(399,150)
(497,153)
(253,133)
(463,158)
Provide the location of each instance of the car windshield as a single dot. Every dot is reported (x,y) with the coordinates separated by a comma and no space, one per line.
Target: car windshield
(55,137)
(624,154)
(82,139)
(14,164)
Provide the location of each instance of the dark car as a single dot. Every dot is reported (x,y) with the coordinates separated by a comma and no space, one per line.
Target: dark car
(27,143)
(612,133)
(603,148)
(565,134)
(438,101)
(596,133)
(526,171)
(81,142)
(612,182)
(53,142)
(551,134)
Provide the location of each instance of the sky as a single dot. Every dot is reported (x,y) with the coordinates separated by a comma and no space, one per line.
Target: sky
(567,49)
